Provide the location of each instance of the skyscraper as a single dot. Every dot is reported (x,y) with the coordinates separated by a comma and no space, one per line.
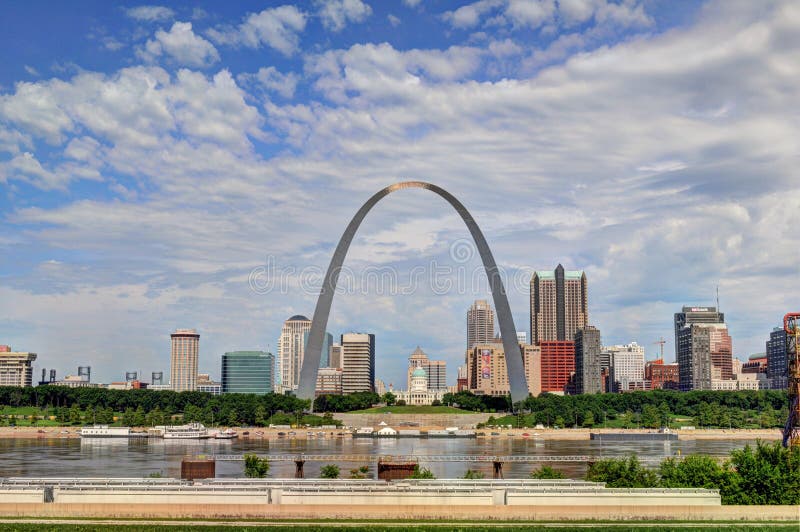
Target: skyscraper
(247,372)
(335,356)
(16,368)
(358,362)
(776,359)
(559,304)
(480,323)
(487,372)
(183,363)
(705,355)
(558,364)
(587,360)
(291,349)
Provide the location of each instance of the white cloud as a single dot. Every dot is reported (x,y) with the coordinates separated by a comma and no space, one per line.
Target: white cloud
(412,3)
(469,16)
(530,13)
(335,14)
(150,13)
(276,27)
(393,20)
(182,45)
(274,80)
(32,71)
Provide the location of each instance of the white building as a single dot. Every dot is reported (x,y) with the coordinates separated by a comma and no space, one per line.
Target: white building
(358,362)
(183,360)
(291,349)
(418,393)
(16,368)
(627,366)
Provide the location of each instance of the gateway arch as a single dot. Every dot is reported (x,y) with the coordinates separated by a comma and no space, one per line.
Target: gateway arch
(313,349)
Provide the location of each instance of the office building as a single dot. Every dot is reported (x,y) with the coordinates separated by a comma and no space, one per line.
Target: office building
(558,305)
(291,349)
(704,355)
(335,356)
(487,373)
(522,337)
(183,362)
(329,381)
(247,372)
(358,362)
(756,363)
(558,365)
(435,370)
(532,362)
(627,367)
(661,376)
(480,323)
(587,360)
(16,367)
(777,364)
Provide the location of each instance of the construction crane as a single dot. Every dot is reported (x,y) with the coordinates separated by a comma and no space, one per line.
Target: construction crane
(791,432)
(661,343)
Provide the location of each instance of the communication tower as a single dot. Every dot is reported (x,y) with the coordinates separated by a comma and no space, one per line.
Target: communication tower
(85,371)
(131,376)
(157,377)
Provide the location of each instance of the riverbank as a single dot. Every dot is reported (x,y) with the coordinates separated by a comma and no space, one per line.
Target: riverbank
(312,433)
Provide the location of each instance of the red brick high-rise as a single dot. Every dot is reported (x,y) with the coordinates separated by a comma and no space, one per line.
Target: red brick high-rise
(558,364)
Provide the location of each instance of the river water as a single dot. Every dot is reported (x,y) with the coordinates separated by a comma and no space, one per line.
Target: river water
(138,458)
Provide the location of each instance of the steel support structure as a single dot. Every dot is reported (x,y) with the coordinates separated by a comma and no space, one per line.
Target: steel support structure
(791,432)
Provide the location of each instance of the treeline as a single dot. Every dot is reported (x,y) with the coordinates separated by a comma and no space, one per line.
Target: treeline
(768,474)
(763,408)
(345,403)
(149,407)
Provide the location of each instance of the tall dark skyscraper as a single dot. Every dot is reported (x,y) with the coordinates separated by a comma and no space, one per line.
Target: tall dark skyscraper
(702,347)
(776,358)
(559,304)
(587,360)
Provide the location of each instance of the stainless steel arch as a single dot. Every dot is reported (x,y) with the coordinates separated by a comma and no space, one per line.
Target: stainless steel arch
(516,371)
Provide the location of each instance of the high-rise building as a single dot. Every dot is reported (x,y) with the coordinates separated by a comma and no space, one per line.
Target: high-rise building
(627,367)
(522,337)
(335,356)
(183,363)
(532,362)
(558,365)
(587,360)
(480,323)
(487,373)
(661,376)
(559,305)
(291,349)
(358,362)
(756,363)
(704,356)
(329,381)
(776,359)
(16,367)
(247,372)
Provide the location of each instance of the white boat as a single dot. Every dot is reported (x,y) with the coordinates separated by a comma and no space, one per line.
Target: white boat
(227,434)
(192,431)
(104,431)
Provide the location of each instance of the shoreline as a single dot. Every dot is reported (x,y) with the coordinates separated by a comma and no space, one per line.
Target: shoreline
(50,433)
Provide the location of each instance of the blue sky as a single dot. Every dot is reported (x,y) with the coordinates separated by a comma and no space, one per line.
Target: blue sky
(153,157)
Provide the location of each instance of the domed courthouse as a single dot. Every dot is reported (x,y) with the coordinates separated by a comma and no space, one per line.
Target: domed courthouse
(419,393)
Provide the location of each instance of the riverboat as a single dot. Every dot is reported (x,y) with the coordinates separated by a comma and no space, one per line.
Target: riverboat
(104,431)
(227,434)
(192,431)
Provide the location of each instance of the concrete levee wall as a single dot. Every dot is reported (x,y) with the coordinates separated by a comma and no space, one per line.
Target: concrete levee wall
(424,420)
(21,495)
(387,498)
(104,496)
(416,512)
(607,499)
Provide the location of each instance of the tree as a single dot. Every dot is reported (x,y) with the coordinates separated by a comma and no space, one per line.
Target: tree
(546,472)
(389,398)
(260,416)
(621,473)
(768,474)
(421,473)
(651,417)
(694,471)
(255,467)
(588,419)
(474,474)
(329,471)
(360,472)
(401,402)
(436,402)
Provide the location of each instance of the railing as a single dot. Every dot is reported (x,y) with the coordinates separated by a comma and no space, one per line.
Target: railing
(433,458)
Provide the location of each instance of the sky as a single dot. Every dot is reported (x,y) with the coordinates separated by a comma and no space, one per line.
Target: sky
(194,165)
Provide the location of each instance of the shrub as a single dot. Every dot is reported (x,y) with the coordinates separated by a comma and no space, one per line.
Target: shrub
(329,471)
(546,472)
(422,473)
(255,467)
(622,473)
(473,474)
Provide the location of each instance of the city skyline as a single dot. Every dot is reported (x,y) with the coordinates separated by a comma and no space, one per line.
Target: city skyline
(555,132)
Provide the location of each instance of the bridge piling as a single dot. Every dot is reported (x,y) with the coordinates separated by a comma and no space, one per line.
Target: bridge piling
(498,470)
(298,469)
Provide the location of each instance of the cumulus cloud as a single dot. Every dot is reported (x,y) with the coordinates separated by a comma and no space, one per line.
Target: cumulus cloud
(150,13)
(181,45)
(272,79)
(276,27)
(336,14)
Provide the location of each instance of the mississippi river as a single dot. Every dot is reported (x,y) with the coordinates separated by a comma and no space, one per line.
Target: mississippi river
(124,458)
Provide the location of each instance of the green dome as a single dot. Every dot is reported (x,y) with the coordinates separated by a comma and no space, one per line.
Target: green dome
(419,372)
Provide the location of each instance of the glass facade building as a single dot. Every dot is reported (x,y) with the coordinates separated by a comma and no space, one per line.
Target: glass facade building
(247,372)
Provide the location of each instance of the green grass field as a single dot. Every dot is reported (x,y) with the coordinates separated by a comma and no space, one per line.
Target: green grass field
(412,410)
